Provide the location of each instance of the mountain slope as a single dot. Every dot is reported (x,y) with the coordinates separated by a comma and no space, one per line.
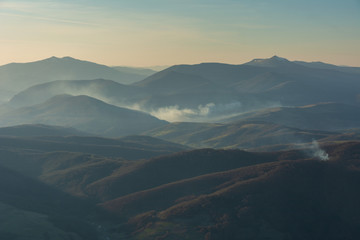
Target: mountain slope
(255,84)
(244,135)
(43,211)
(323,116)
(175,167)
(298,199)
(322,65)
(274,61)
(84,113)
(106,90)
(143,72)
(72,163)
(18,76)
(130,148)
(39,130)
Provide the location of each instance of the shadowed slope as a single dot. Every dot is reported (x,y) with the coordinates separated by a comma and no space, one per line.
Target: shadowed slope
(162,170)
(57,215)
(243,134)
(36,130)
(105,90)
(322,116)
(84,113)
(301,199)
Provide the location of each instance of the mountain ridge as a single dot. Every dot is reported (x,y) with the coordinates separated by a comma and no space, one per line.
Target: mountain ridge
(84,113)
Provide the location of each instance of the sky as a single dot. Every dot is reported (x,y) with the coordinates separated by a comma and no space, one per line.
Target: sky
(167,32)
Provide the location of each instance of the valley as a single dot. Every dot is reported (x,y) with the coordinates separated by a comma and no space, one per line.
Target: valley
(269,149)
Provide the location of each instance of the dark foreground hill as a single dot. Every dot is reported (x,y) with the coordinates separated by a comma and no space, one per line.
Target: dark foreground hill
(176,167)
(297,199)
(84,113)
(130,147)
(32,210)
(254,135)
(33,130)
(199,194)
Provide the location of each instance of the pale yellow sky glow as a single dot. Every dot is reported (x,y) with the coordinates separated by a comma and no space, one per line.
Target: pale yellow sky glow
(173,32)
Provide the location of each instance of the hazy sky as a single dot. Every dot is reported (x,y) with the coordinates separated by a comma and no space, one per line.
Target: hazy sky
(166,32)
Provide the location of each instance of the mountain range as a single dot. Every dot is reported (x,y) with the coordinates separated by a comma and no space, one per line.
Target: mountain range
(258,84)
(268,149)
(192,194)
(15,77)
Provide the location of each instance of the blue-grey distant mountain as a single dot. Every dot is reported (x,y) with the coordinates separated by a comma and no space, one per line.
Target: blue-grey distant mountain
(274,61)
(227,89)
(254,84)
(144,72)
(170,82)
(83,113)
(105,90)
(19,76)
(321,65)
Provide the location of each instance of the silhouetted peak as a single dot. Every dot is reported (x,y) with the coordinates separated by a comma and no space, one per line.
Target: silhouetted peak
(58,59)
(50,59)
(269,62)
(277,58)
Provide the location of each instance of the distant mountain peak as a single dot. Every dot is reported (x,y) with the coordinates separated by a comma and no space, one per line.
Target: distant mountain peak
(277,58)
(54,58)
(269,62)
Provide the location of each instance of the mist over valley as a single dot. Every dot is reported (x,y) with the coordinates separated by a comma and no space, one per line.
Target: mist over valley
(261,150)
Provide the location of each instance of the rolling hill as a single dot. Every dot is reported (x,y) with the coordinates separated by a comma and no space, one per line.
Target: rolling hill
(269,129)
(59,170)
(322,116)
(72,163)
(83,113)
(193,194)
(162,170)
(37,130)
(129,147)
(33,210)
(297,199)
(105,90)
(251,135)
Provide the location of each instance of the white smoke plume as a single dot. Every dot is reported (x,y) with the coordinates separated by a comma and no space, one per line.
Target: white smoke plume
(319,153)
(202,113)
(176,114)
